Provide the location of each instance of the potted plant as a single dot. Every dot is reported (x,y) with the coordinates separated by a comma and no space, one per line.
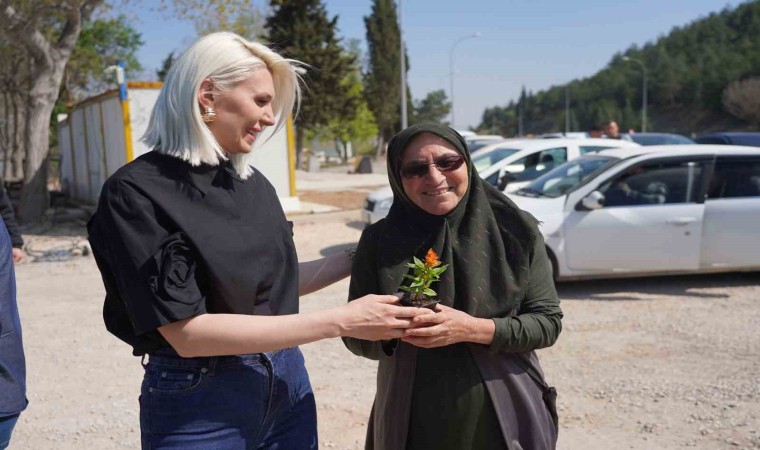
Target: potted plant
(427,272)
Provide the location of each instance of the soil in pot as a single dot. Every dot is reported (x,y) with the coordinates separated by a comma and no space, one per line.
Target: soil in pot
(419,300)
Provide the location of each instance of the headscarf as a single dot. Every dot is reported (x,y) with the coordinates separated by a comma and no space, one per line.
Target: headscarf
(486,239)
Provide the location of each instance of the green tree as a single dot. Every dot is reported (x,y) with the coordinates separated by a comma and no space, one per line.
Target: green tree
(242,17)
(303,31)
(46,33)
(166,64)
(102,43)
(382,77)
(354,122)
(432,109)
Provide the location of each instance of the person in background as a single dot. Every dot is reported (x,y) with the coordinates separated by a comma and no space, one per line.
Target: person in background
(611,130)
(12,364)
(201,273)
(596,132)
(9,217)
(468,377)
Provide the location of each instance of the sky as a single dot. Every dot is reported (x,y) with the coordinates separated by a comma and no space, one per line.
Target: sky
(531,43)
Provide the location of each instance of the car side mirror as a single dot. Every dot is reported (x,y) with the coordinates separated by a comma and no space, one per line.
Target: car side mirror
(594,200)
(505,177)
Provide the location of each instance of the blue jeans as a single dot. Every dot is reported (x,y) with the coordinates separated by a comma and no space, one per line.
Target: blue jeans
(6,428)
(258,401)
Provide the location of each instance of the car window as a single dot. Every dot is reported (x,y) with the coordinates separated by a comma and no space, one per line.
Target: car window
(660,139)
(735,178)
(654,184)
(567,177)
(483,162)
(592,148)
(536,164)
(493,178)
(712,140)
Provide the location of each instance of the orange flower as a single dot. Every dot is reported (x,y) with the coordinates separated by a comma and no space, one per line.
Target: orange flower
(431,259)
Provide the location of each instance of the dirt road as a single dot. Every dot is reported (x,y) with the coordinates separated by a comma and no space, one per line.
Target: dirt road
(641,364)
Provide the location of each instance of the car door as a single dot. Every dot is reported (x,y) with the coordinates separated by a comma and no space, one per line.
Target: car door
(651,220)
(731,231)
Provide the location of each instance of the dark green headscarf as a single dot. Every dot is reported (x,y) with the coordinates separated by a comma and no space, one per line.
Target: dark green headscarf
(485,239)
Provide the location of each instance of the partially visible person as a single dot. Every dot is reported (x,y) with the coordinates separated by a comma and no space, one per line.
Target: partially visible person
(611,130)
(9,217)
(12,364)
(468,377)
(596,132)
(620,193)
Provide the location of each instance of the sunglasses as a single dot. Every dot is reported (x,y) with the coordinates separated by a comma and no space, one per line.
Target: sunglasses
(445,164)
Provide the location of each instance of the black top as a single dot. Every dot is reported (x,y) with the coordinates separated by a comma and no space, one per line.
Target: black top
(174,241)
(9,217)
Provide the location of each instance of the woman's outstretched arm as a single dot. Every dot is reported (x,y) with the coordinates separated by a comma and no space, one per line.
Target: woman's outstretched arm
(370,318)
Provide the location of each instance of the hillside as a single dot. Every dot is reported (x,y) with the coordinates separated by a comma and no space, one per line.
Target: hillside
(688,71)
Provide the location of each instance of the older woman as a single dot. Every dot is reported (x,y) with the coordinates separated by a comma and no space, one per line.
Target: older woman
(467,376)
(200,269)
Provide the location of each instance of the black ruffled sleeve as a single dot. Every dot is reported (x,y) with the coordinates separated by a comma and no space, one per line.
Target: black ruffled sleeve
(173,280)
(153,269)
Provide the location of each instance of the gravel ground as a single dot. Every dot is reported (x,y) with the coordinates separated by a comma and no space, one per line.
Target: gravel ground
(654,363)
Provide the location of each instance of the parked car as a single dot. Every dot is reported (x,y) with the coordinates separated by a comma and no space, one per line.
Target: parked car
(657,138)
(650,211)
(751,139)
(512,163)
(571,134)
(477,142)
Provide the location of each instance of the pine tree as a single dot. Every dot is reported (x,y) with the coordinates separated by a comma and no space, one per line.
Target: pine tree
(432,109)
(382,79)
(302,30)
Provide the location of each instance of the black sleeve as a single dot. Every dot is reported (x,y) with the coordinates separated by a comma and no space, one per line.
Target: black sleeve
(153,268)
(6,211)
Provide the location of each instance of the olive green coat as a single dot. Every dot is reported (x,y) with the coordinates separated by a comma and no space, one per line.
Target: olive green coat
(524,416)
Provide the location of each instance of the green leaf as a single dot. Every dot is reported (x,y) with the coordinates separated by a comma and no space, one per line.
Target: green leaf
(429,292)
(418,262)
(405,289)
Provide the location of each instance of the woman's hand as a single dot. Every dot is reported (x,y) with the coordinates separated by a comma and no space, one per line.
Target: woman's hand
(377,317)
(448,326)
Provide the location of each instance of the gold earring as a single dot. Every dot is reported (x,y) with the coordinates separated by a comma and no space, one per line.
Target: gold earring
(209,115)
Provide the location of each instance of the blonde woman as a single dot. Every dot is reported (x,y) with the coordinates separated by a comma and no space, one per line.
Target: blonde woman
(200,270)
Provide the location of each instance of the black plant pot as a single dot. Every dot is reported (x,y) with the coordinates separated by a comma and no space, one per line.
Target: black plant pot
(420,301)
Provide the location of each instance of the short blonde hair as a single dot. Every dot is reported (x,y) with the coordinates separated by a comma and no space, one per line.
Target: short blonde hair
(176,127)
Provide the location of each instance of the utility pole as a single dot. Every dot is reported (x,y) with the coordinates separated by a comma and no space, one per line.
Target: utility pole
(404,121)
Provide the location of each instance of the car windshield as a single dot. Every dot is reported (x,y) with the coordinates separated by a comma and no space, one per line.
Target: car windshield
(568,176)
(486,160)
(478,144)
(660,139)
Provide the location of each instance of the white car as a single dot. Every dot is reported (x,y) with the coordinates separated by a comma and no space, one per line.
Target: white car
(479,141)
(650,211)
(516,160)
(510,165)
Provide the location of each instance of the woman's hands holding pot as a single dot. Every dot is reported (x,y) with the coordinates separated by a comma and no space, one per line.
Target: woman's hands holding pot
(378,317)
(448,326)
